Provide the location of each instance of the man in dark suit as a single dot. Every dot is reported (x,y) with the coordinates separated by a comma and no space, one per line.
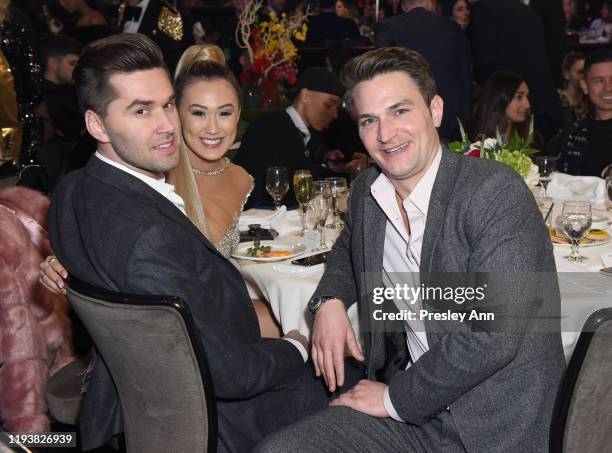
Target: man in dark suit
(446,49)
(118,225)
(292,138)
(507,35)
(161,20)
(426,219)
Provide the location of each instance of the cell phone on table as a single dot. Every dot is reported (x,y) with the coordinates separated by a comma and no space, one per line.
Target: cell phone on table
(311,260)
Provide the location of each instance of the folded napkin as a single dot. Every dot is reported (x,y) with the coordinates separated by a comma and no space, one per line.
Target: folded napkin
(263,217)
(577,188)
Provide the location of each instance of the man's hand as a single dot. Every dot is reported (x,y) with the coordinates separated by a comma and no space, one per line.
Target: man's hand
(52,275)
(296,335)
(358,163)
(366,397)
(331,331)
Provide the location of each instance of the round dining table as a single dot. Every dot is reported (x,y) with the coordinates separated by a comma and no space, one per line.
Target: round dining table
(288,287)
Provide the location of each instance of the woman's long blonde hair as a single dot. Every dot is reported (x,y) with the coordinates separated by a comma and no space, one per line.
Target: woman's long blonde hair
(182,176)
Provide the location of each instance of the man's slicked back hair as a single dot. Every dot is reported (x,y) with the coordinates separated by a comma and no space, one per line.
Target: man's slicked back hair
(384,61)
(118,54)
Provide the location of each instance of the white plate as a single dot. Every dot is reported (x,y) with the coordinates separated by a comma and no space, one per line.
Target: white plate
(591,243)
(295,249)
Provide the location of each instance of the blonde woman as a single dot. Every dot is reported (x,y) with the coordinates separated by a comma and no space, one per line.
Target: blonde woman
(213,188)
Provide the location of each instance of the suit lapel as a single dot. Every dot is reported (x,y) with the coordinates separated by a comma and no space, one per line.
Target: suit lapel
(438,204)
(436,214)
(135,187)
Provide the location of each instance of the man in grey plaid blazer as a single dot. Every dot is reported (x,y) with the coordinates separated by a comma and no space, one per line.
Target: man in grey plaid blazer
(433,385)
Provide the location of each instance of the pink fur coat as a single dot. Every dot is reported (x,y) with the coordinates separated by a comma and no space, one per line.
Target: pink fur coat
(34,329)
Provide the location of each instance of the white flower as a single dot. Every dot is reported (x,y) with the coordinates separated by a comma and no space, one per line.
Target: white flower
(533,177)
(490,144)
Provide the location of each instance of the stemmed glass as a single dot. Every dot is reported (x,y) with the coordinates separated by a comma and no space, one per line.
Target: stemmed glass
(342,204)
(277,184)
(547,165)
(302,186)
(576,222)
(336,184)
(321,199)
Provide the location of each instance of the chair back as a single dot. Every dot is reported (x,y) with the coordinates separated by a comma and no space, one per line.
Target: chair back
(155,356)
(583,419)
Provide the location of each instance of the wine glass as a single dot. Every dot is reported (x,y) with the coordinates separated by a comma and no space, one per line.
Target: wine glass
(576,222)
(342,204)
(302,186)
(277,184)
(547,165)
(336,184)
(321,200)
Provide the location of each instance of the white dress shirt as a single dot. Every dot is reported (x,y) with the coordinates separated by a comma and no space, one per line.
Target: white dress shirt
(130,26)
(159,185)
(402,252)
(298,121)
(167,191)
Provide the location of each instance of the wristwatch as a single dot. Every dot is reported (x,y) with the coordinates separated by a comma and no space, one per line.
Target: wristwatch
(315,303)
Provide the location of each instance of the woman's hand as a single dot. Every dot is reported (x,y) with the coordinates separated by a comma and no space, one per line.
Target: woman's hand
(53,275)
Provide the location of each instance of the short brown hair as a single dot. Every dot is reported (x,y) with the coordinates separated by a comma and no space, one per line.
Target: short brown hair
(383,61)
(117,54)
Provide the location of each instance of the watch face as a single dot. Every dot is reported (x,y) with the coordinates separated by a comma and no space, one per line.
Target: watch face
(313,304)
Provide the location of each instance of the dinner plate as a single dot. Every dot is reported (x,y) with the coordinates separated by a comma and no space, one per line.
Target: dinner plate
(561,240)
(294,249)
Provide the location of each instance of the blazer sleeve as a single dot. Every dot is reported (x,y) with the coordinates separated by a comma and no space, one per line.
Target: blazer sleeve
(240,369)
(509,244)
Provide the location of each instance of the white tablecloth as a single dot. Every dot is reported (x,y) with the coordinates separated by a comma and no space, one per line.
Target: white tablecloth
(583,290)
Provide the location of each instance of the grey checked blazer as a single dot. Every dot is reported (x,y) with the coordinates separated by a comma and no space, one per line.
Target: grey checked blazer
(500,386)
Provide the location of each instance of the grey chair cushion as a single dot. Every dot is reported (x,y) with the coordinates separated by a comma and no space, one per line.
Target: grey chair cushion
(589,421)
(64,391)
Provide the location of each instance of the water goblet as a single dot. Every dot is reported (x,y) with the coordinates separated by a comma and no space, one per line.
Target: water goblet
(336,185)
(277,184)
(547,166)
(576,220)
(302,187)
(321,200)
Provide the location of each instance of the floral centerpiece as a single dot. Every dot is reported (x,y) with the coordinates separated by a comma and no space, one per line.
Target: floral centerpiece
(514,152)
(271,51)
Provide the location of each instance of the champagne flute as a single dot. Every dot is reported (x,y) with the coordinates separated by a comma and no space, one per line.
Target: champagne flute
(277,184)
(547,166)
(302,186)
(321,199)
(576,222)
(336,184)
